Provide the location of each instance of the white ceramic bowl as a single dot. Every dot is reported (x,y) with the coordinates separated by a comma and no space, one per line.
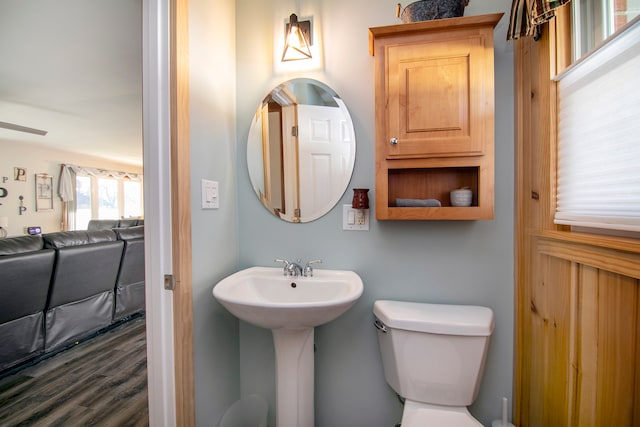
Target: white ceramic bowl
(461,197)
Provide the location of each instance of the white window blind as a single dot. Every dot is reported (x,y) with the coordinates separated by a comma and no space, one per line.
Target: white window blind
(598,181)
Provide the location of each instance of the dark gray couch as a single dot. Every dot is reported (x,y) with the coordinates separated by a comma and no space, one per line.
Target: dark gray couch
(25,274)
(62,287)
(130,282)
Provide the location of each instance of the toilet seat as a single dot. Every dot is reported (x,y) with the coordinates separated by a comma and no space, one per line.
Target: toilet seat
(418,414)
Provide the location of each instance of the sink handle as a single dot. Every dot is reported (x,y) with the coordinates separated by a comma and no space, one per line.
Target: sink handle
(286,264)
(307,271)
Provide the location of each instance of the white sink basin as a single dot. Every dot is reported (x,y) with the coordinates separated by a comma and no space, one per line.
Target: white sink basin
(264,297)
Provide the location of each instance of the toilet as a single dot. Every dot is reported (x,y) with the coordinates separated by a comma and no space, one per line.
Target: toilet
(433,356)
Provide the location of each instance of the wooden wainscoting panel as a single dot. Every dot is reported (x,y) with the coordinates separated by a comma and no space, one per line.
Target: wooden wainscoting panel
(557,331)
(617,350)
(585,398)
(524,351)
(536,366)
(613,260)
(550,323)
(582,332)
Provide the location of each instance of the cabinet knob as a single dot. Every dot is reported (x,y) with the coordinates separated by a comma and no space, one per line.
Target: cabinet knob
(393,141)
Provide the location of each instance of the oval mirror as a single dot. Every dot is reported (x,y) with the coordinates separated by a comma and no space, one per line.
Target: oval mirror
(301,150)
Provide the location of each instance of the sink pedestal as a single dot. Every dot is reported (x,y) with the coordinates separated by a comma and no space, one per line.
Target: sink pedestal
(291,308)
(294,377)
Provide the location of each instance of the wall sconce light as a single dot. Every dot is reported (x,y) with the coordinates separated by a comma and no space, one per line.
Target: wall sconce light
(4,224)
(360,203)
(297,40)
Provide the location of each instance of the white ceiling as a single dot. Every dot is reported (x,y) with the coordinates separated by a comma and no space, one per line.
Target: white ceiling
(74,69)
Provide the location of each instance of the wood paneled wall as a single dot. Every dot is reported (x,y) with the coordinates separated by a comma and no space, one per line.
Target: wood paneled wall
(580,360)
(577,295)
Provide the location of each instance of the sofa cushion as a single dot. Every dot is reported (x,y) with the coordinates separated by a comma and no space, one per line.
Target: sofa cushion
(126,223)
(82,271)
(63,239)
(130,233)
(24,283)
(102,224)
(101,236)
(18,245)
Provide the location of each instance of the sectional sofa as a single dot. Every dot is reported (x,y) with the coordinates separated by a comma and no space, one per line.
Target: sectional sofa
(59,288)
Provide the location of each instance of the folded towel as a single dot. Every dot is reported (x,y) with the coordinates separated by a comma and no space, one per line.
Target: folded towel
(431,203)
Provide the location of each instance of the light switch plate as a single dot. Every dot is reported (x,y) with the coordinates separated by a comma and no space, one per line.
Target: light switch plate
(210,194)
(350,219)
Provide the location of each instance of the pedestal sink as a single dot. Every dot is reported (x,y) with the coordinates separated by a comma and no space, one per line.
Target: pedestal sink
(291,308)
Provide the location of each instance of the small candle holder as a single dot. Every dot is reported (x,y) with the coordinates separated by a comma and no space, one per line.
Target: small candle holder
(360,203)
(360,198)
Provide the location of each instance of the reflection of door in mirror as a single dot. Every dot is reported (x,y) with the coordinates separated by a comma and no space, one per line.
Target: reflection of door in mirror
(290,164)
(271,156)
(324,153)
(272,146)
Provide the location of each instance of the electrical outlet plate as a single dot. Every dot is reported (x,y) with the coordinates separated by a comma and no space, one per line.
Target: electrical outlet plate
(352,221)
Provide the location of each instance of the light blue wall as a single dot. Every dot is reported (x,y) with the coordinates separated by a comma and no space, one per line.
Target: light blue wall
(441,261)
(214,232)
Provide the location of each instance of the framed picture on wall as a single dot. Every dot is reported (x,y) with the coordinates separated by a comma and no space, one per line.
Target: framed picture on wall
(19,174)
(44,192)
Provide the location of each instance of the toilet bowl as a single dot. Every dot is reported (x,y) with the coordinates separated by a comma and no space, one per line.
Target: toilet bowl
(433,356)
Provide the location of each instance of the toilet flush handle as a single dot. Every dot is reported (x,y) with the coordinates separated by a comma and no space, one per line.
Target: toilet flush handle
(380,326)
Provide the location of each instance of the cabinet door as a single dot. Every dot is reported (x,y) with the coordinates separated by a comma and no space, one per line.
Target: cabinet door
(439,94)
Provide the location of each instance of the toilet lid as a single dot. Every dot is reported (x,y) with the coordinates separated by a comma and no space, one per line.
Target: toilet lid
(464,320)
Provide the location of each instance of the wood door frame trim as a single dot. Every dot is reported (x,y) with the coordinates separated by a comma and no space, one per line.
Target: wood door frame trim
(181,214)
(535,199)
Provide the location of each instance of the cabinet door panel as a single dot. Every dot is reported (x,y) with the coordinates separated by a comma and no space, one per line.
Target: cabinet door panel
(436,98)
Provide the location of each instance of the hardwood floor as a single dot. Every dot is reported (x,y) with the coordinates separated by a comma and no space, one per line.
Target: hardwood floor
(99,382)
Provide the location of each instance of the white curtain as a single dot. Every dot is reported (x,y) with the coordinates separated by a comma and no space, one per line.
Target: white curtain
(66,187)
(67,192)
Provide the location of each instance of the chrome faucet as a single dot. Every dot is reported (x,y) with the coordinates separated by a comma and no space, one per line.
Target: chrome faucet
(291,269)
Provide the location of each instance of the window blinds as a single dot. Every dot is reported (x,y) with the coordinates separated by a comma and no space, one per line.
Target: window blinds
(598,177)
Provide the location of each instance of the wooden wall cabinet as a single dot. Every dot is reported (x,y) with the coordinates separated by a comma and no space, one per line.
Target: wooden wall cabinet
(434,116)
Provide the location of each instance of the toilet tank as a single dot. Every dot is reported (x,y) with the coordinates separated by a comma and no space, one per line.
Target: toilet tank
(433,353)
